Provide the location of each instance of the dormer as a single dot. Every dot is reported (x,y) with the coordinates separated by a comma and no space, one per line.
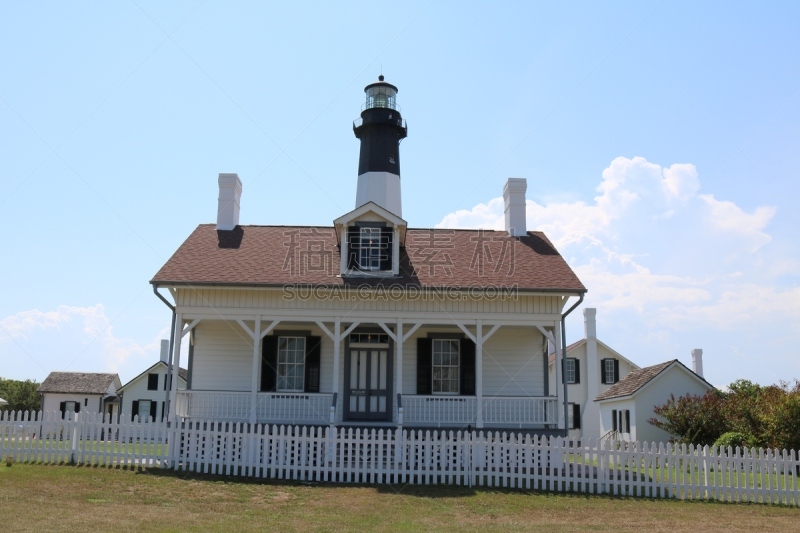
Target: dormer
(370,238)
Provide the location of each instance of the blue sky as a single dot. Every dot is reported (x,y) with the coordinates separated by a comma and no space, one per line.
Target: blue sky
(659,140)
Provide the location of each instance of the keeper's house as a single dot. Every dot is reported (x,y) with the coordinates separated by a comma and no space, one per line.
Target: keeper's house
(368,321)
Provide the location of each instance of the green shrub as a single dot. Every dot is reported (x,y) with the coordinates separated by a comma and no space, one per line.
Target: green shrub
(732,439)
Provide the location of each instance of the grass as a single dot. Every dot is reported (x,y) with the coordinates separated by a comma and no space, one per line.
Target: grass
(66,498)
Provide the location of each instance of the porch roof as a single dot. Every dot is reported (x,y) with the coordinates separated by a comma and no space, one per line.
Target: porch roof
(431,258)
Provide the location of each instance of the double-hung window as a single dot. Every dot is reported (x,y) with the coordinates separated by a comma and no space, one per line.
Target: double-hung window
(571,370)
(144,410)
(445,366)
(370,249)
(610,371)
(291,363)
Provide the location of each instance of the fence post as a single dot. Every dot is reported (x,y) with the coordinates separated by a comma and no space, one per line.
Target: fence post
(73,443)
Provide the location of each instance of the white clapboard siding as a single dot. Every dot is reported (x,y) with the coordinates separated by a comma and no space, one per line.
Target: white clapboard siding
(223,301)
(425,457)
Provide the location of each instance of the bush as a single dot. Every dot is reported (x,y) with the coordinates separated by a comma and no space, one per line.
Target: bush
(692,419)
(731,439)
(20,395)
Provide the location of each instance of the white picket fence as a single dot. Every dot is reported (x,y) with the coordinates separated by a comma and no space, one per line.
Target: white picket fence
(348,455)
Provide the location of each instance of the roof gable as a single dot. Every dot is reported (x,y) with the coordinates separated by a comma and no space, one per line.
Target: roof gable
(552,357)
(639,379)
(77,382)
(182,375)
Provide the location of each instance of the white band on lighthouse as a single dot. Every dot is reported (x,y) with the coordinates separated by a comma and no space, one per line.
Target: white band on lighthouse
(383,188)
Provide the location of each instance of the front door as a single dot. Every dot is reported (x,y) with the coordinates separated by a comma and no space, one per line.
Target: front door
(369,384)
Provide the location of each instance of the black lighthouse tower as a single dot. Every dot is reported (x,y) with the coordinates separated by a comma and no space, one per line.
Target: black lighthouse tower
(380,129)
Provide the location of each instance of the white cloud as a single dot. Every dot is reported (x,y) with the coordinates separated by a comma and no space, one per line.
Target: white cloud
(728,217)
(611,243)
(80,330)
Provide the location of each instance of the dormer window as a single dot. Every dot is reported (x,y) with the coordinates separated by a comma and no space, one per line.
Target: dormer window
(370,248)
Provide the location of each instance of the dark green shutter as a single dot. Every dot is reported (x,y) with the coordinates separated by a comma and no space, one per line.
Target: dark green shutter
(313,350)
(387,237)
(163,410)
(424,366)
(353,246)
(627,421)
(577,371)
(269,363)
(576,416)
(614,419)
(77,407)
(616,370)
(134,409)
(603,375)
(467,367)
(153,409)
(63,407)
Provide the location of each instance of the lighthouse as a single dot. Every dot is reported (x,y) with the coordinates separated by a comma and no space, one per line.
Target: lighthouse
(380,130)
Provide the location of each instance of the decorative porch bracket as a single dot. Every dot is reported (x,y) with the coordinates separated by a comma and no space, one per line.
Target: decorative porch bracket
(479,338)
(256,335)
(336,336)
(399,340)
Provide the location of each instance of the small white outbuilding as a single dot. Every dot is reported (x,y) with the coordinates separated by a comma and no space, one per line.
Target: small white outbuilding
(626,407)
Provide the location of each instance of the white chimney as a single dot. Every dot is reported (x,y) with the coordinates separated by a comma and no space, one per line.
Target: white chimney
(514,196)
(697,361)
(230,192)
(590,323)
(165,351)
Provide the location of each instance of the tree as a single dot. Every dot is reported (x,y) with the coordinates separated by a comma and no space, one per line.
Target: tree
(692,419)
(20,395)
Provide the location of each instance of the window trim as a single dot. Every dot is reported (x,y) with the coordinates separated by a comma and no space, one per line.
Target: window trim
(147,412)
(280,365)
(372,249)
(609,378)
(457,367)
(575,369)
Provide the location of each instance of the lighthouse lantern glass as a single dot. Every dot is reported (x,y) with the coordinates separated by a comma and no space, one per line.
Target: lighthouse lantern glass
(381,96)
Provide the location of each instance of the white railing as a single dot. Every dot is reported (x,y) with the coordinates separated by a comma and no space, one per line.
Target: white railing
(439,410)
(510,411)
(271,407)
(348,455)
(520,411)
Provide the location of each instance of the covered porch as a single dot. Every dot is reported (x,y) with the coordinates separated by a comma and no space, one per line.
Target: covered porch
(369,372)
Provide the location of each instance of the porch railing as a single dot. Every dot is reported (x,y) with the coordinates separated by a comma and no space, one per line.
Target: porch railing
(438,410)
(272,407)
(520,410)
(509,411)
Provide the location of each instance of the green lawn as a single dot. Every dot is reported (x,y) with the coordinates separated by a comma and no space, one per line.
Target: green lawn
(38,449)
(67,498)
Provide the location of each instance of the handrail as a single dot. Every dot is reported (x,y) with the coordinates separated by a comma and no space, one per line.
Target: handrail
(610,435)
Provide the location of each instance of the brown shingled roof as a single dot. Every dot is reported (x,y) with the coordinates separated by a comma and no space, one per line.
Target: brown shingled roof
(77,382)
(279,255)
(634,381)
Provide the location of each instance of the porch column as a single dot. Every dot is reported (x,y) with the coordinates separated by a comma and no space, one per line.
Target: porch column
(399,372)
(254,378)
(479,371)
(176,364)
(560,385)
(337,341)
